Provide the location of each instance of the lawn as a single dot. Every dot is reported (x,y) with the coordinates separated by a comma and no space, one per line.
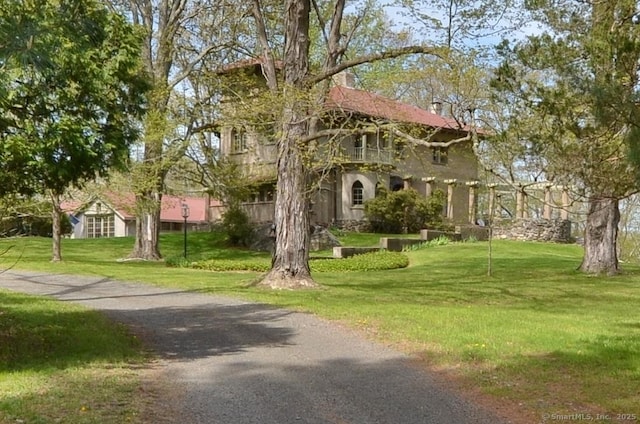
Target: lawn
(63,363)
(536,333)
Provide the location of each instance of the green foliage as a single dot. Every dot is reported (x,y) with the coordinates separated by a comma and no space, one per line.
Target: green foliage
(177,262)
(236,224)
(24,217)
(221,265)
(374,261)
(404,211)
(440,241)
(71,91)
(569,96)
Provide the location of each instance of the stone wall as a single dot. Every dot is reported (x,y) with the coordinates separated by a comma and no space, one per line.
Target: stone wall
(352,225)
(550,230)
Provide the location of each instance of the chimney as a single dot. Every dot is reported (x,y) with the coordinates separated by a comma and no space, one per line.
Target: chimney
(344,79)
(436,107)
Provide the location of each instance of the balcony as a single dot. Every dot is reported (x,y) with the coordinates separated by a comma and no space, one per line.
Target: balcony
(356,154)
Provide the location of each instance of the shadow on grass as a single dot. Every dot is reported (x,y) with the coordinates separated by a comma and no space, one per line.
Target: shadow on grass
(592,376)
(37,334)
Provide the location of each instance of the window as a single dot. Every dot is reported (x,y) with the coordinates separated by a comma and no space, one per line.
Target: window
(439,155)
(357,193)
(238,140)
(396,183)
(264,193)
(358,148)
(100,226)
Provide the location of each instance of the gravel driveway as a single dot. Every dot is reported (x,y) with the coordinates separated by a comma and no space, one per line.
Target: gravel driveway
(233,362)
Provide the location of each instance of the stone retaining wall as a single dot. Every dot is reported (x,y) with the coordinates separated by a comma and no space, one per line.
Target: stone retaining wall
(357,226)
(550,230)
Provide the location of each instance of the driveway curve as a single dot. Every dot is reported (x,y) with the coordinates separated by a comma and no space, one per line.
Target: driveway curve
(227,361)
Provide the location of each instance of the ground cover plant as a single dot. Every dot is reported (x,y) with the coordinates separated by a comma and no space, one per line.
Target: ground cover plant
(371,261)
(536,334)
(63,363)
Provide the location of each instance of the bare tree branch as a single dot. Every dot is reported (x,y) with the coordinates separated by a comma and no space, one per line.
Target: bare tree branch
(269,66)
(375,57)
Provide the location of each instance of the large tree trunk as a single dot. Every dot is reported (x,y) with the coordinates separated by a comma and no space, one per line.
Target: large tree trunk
(147,227)
(150,183)
(56,230)
(290,268)
(601,236)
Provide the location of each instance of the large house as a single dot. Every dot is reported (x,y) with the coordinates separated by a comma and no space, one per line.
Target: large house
(112,215)
(364,160)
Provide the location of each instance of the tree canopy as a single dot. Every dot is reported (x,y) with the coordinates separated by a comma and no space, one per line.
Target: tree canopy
(571,93)
(71,92)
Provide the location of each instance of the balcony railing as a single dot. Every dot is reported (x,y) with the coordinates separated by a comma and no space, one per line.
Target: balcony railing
(369,155)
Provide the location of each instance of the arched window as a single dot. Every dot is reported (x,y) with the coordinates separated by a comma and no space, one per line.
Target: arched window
(357,193)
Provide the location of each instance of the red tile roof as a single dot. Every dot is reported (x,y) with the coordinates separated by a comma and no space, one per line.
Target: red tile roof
(171,210)
(370,104)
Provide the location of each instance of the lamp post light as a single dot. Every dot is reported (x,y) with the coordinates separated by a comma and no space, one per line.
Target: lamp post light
(185,215)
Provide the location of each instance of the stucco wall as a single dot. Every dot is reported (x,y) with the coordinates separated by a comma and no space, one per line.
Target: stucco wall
(348,211)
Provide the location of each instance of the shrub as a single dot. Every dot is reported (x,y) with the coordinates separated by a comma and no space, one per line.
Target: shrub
(177,262)
(236,225)
(372,261)
(404,211)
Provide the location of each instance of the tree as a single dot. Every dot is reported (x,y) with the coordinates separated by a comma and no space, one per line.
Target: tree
(572,94)
(71,93)
(303,88)
(183,39)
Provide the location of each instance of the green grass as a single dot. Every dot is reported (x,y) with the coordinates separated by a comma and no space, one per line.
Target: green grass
(536,332)
(63,363)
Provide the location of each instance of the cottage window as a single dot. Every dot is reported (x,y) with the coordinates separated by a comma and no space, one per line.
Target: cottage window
(100,226)
(439,155)
(238,140)
(357,193)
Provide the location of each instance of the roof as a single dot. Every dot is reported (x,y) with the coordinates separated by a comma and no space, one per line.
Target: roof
(123,204)
(370,104)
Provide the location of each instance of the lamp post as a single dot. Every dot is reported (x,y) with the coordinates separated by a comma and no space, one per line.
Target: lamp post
(185,215)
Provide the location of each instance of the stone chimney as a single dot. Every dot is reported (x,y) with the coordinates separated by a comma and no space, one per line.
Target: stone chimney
(436,107)
(344,79)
